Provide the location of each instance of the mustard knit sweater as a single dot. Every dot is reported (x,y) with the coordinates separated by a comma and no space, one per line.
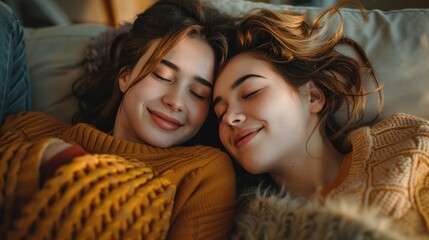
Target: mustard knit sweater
(124,190)
(389,168)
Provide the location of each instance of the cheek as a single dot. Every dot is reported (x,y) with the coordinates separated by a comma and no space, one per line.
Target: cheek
(223,133)
(198,112)
(146,89)
(262,107)
(224,136)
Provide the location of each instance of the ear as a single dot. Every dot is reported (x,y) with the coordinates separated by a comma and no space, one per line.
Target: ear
(317,98)
(124,80)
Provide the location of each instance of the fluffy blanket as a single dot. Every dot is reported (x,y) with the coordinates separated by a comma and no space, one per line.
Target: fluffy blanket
(96,55)
(279,216)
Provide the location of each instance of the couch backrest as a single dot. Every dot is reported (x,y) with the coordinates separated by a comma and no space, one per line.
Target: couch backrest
(397,43)
(55,60)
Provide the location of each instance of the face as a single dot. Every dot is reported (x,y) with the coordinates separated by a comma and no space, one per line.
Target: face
(264,122)
(168,106)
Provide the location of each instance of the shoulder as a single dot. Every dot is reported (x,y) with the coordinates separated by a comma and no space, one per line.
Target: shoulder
(204,152)
(398,125)
(207,159)
(398,121)
(399,131)
(33,124)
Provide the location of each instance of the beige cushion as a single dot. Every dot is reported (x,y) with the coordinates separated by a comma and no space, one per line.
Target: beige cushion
(397,42)
(55,56)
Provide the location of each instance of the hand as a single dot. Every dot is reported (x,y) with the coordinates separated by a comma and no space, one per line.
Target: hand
(53,148)
(56,154)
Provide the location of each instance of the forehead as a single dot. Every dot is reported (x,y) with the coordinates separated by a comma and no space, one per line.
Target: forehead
(241,65)
(189,43)
(245,63)
(241,60)
(193,55)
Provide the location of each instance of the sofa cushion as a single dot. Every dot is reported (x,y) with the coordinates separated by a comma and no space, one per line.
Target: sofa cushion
(55,61)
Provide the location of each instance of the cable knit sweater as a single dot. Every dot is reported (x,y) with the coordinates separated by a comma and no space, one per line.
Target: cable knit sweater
(123,190)
(387,170)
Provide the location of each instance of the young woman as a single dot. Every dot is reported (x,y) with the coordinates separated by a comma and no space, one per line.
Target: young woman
(277,98)
(126,181)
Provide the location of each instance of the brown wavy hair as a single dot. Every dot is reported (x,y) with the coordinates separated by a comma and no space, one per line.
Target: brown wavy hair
(168,20)
(304,52)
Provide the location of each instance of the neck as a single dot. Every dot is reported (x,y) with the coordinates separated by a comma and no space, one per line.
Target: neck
(311,171)
(121,128)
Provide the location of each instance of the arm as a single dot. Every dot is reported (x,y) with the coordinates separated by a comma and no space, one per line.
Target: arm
(208,210)
(27,127)
(56,154)
(19,175)
(21,156)
(111,195)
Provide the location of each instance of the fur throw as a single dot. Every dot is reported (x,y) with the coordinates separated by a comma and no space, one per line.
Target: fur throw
(96,55)
(279,216)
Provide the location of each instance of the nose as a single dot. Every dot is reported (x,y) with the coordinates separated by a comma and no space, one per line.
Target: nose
(234,118)
(174,101)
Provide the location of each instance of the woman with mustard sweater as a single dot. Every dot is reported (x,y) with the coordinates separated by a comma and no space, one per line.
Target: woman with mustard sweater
(121,174)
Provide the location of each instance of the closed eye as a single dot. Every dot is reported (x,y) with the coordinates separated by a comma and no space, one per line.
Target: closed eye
(197,95)
(161,78)
(251,94)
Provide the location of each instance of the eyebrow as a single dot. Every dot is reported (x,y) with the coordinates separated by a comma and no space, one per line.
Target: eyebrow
(176,68)
(237,83)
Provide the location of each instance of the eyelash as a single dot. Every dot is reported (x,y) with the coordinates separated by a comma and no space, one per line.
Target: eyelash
(168,80)
(251,94)
(197,96)
(161,78)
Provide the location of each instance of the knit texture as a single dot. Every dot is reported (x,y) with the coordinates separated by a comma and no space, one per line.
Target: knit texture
(122,190)
(384,194)
(390,169)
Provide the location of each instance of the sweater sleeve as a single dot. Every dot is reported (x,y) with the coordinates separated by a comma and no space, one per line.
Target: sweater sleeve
(98,197)
(208,209)
(23,139)
(19,175)
(30,126)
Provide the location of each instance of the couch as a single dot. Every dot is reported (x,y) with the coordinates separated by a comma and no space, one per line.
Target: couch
(397,43)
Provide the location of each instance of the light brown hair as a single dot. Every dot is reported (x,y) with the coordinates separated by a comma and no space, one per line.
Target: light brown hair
(167,20)
(304,52)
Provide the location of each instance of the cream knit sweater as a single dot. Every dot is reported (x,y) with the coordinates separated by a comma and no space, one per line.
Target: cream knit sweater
(381,192)
(389,168)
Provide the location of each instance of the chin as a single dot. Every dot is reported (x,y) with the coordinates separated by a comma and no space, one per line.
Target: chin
(161,143)
(251,164)
(252,169)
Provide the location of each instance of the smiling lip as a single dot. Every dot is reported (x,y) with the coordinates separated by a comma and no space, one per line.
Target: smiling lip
(243,137)
(163,121)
